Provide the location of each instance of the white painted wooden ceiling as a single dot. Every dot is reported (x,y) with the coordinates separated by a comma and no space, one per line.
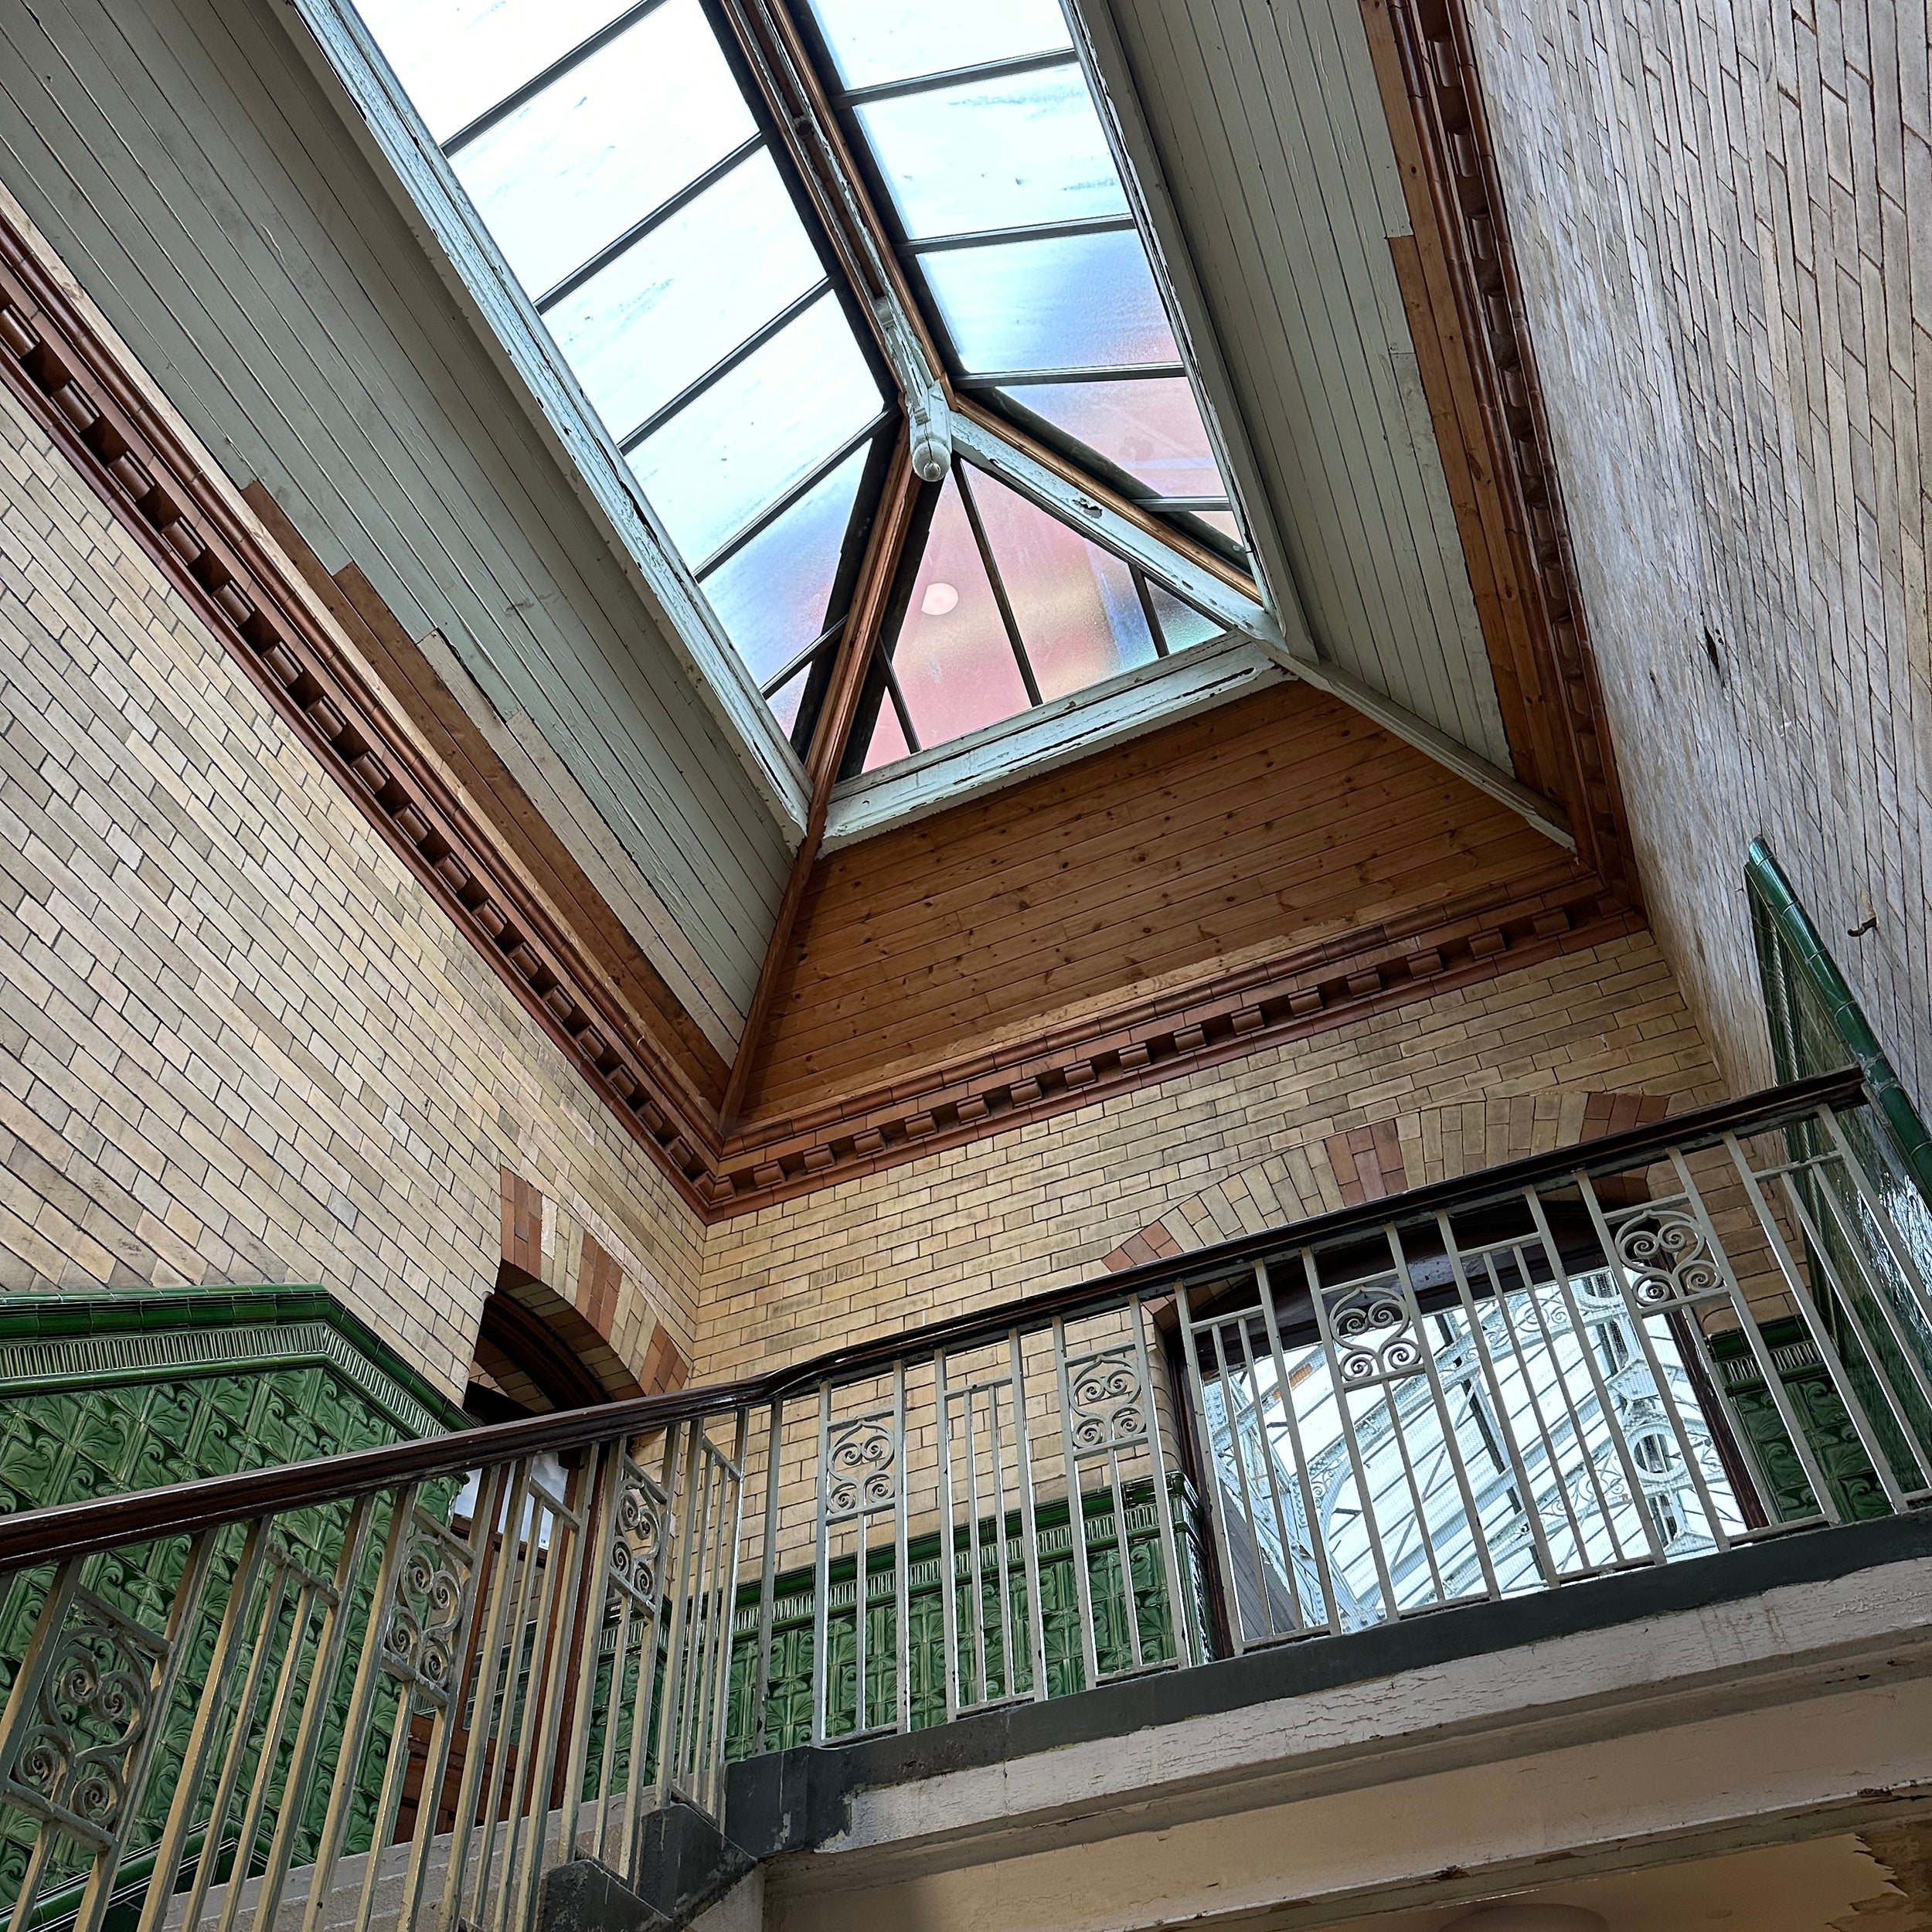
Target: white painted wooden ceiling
(1277,154)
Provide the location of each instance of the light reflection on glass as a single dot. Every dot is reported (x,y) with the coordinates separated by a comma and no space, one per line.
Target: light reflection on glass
(661,315)
(751,436)
(1075,604)
(1077,301)
(457,58)
(875,40)
(772,596)
(1152,429)
(995,154)
(954,662)
(602,146)
(785,704)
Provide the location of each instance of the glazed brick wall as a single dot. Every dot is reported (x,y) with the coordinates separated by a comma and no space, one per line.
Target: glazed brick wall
(238,1042)
(1722,217)
(1046,1204)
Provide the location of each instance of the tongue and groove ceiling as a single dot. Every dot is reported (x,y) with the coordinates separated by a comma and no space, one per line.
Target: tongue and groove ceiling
(1402,710)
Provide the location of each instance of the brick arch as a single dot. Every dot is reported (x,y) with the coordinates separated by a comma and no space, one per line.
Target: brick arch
(1365,1163)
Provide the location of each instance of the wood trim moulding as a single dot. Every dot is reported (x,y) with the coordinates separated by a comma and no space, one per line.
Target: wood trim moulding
(1460,283)
(1369,970)
(77,385)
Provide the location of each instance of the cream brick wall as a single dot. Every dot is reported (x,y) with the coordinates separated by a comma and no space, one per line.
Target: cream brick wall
(237,1041)
(1041,1206)
(1723,219)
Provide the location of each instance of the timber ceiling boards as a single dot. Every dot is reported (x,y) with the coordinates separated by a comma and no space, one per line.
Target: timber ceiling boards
(1270,137)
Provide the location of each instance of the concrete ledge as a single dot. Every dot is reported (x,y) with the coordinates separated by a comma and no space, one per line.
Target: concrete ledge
(803,1798)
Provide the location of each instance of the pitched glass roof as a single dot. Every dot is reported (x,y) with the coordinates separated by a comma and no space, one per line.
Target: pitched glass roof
(630,173)
(620,166)
(977,125)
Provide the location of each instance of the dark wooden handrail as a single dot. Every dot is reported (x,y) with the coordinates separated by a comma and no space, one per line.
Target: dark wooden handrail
(76,1529)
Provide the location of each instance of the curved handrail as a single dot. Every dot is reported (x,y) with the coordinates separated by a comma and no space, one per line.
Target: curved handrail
(77,1528)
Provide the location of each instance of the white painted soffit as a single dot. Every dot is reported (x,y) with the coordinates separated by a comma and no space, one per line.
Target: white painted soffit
(1302,494)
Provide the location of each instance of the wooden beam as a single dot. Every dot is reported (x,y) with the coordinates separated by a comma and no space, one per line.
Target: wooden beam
(869,598)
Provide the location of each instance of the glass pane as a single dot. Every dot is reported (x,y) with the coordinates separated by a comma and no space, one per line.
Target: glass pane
(456,58)
(668,308)
(750,437)
(1152,429)
(1081,301)
(874,40)
(785,704)
(1223,521)
(955,665)
(601,148)
(1181,624)
(888,741)
(1075,604)
(772,596)
(998,153)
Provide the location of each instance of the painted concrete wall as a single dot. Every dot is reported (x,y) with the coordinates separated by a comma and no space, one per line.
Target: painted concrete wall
(1724,220)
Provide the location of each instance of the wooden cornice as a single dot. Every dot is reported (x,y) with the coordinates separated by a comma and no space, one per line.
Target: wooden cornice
(110,423)
(1458,277)
(1222,1016)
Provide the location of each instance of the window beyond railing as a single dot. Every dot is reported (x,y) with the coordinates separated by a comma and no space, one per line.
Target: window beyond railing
(418,1677)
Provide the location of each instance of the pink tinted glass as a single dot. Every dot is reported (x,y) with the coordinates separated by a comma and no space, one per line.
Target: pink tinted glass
(954,662)
(888,741)
(1078,616)
(1152,429)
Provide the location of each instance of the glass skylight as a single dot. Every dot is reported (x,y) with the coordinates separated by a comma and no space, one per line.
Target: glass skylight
(1004,608)
(620,168)
(1010,217)
(629,170)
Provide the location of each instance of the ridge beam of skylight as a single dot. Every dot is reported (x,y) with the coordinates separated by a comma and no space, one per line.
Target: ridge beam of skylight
(764,34)
(1209,593)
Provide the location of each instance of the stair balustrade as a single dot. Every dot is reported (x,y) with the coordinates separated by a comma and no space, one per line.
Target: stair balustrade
(398,1687)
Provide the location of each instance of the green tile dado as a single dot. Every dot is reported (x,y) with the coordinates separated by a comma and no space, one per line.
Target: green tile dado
(103,1394)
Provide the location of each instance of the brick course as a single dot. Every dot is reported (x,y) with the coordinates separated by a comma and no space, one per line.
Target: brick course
(1047,1204)
(1722,218)
(237,1041)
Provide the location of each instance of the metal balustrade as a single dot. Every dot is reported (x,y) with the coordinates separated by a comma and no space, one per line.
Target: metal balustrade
(397,1687)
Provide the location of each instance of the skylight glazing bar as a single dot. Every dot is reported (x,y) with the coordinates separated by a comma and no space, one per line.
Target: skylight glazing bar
(1000,597)
(898,697)
(639,231)
(724,365)
(555,70)
(1020,378)
(1034,231)
(1148,611)
(1020,63)
(828,636)
(779,505)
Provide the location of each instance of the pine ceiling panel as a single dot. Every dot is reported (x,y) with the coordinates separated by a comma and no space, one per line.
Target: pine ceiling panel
(1272,136)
